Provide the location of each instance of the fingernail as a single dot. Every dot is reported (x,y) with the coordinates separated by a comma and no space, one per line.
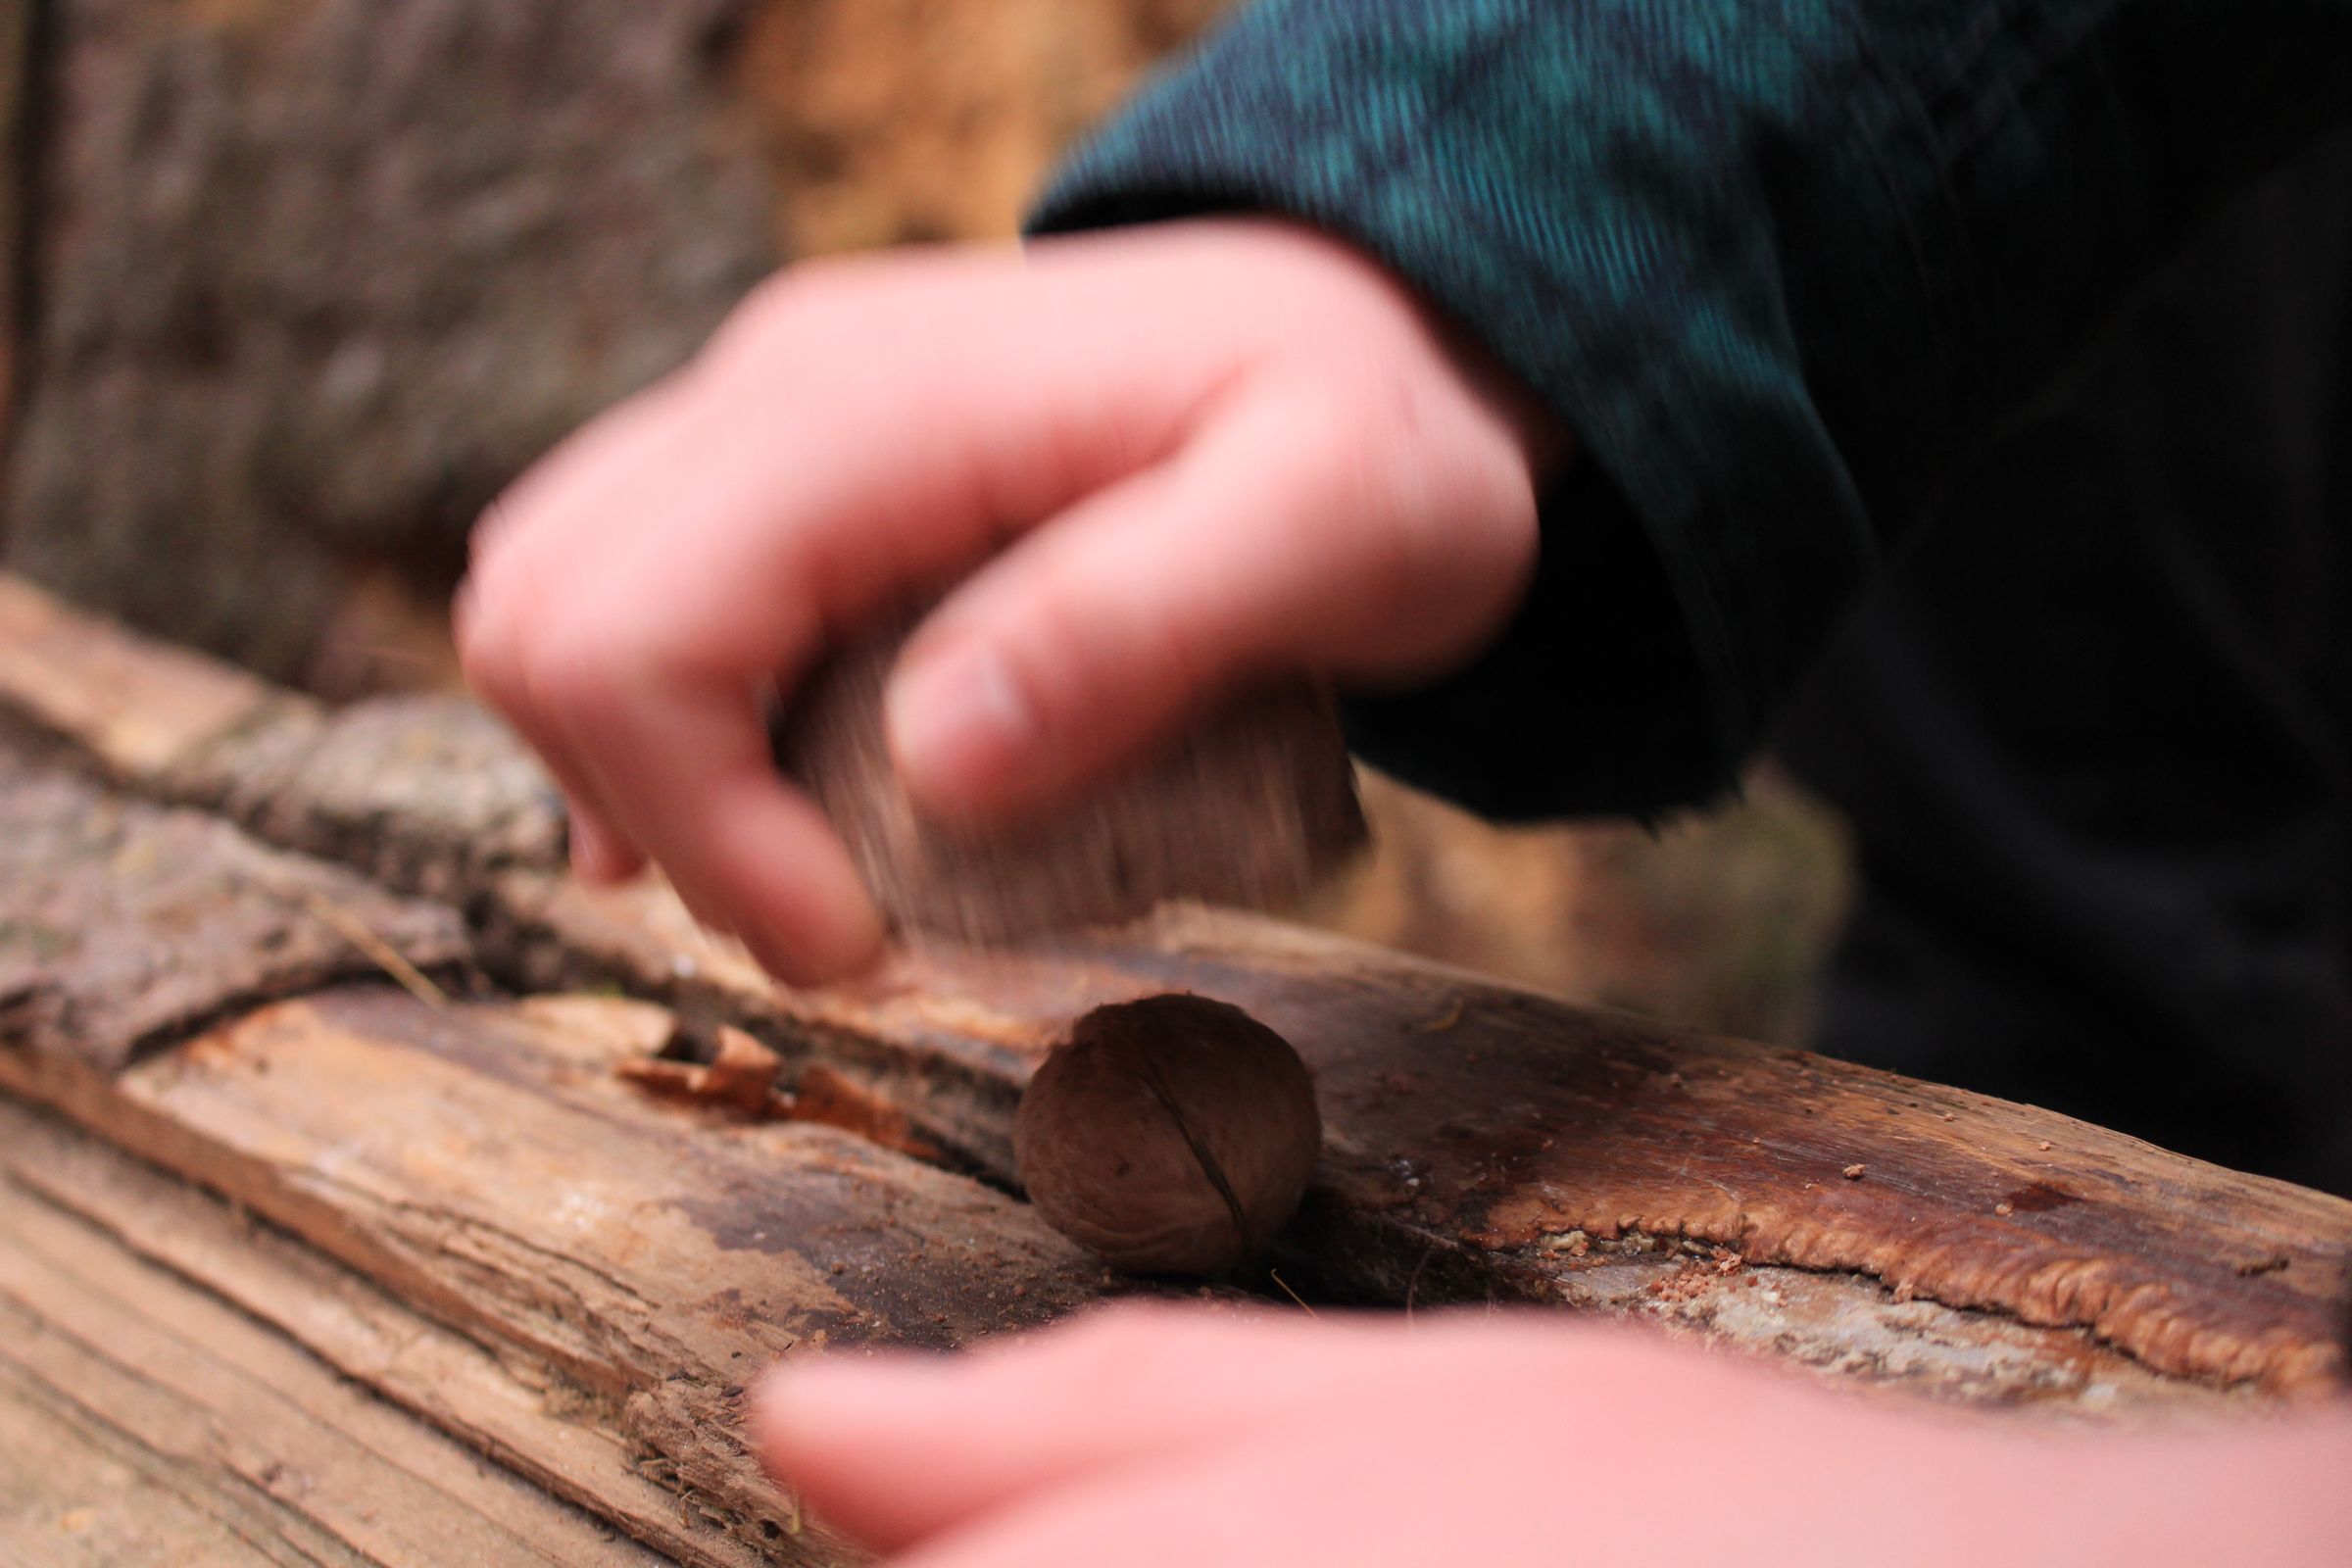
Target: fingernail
(842,952)
(833,933)
(959,718)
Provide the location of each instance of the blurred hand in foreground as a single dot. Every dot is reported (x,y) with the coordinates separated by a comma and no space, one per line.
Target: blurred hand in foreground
(1154,1438)
(1162,462)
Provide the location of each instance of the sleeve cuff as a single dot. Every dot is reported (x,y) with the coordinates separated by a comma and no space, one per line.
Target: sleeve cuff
(1685,569)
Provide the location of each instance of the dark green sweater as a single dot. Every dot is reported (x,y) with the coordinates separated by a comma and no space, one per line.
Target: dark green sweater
(1778,264)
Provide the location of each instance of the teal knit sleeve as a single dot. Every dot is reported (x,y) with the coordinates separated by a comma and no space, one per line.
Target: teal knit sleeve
(1778,264)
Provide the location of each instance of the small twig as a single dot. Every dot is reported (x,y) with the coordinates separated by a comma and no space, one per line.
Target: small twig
(1450,1019)
(1414,1284)
(741,1076)
(1275,1275)
(387,957)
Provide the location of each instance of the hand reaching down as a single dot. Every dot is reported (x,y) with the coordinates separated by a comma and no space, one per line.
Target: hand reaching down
(1159,464)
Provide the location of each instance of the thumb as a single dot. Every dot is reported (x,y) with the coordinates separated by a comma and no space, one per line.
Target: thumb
(1283,540)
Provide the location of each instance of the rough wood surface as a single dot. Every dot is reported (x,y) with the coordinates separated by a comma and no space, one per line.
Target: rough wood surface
(1476,1115)
(542,1429)
(76,1495)
(123,924)
(484,1166)
(546,932)
(187,1432)
(136,706)
(1483,1141)
(497,1175)
(429,794)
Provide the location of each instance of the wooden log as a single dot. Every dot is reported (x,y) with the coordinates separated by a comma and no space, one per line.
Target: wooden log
(1483,1141)
(135,706)
(426,793)
(430,795)
(76,1493)
(477,1166)
(181,1430)
(561,1440)
(486,1170)
(1470,1115)
(484,1164)
(1487,1142)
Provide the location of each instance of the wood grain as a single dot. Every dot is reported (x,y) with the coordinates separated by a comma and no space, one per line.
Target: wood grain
(1489,1143)
(135,706)
(1474,1132)
(76,1493)
(486,1166)
(186,1430)
(1478,1116)
(545,1430)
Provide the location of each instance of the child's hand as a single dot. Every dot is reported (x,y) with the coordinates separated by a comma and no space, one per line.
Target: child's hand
(1190,456)
(1150,1438)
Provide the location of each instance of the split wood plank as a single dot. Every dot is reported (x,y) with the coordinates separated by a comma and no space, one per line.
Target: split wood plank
(257,1440)
(136,705)
(75,1494)
(546,1431)
(1467,1110)
(1483,1141)
(1441,1092)
(483,1169)
(483,1163)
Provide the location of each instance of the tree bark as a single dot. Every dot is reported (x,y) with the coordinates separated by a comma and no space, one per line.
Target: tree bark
(313,279)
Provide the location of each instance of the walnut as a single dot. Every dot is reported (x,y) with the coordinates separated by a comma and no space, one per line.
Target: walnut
(1169,1136)
(1253,807)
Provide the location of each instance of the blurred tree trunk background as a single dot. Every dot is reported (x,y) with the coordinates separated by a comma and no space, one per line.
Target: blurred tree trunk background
(296,286)
(306,282)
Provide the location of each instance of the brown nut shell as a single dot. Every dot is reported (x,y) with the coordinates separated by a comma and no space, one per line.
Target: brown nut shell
(1174,1135)
(1251,807)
